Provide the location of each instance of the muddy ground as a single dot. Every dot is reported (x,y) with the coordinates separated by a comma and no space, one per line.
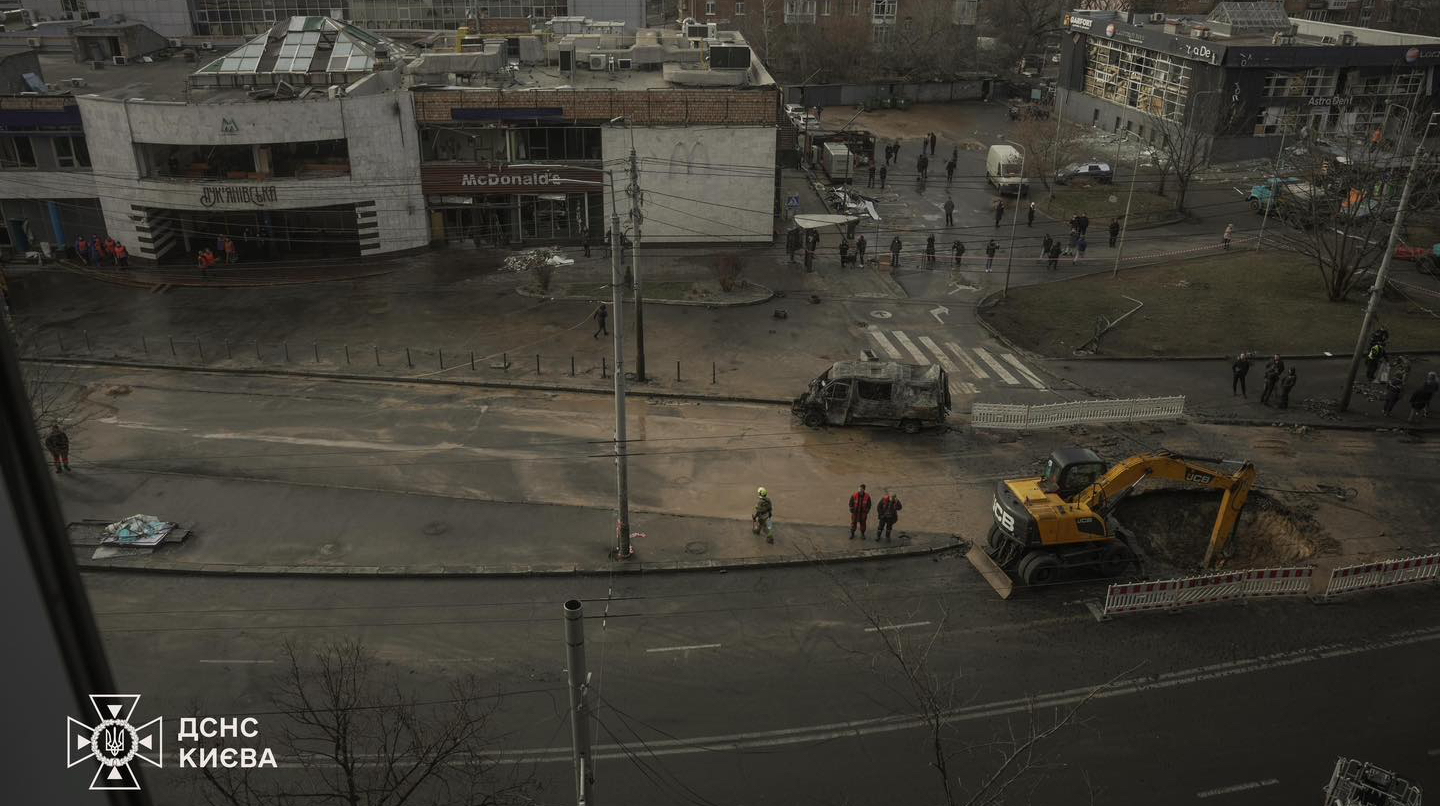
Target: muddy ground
(1173,528)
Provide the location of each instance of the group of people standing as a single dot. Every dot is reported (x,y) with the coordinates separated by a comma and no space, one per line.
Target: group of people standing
(887,510)
(1276,377)
(98,252)
(1381,368)
(807,242)
(207,258)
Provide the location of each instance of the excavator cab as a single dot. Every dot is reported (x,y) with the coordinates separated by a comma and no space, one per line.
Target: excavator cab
(1069,471)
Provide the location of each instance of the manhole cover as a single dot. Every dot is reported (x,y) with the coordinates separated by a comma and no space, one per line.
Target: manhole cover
(880,314)
(697,547)
(435,528)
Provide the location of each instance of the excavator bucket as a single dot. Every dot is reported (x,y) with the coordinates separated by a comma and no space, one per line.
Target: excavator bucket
(994,574)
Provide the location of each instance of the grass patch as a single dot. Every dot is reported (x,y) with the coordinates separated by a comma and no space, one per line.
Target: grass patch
(1268,302)
(672,290)
(1094,201)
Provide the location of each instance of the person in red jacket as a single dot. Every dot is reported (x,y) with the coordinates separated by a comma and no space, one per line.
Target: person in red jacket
(859,511)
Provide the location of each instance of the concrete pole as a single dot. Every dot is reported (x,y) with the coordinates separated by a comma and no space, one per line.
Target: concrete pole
(1379,287)
(1274,191)
(579,702)
(635,264)
(617,309)
(1010,257)
(1125,219)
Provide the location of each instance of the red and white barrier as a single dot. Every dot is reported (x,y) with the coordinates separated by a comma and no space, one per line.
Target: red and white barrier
(1261,582)
(1170,594)
(1382,574)
(1132,597)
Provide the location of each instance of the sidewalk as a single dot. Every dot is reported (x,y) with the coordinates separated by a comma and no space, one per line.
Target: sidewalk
(256,527)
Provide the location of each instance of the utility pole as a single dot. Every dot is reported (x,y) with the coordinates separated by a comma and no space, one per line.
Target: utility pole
(635,219)
(617,300)
(1379,287)
(1024,185)
(1125,219)
(579,703)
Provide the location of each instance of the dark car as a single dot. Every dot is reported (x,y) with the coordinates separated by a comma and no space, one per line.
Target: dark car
(1085,172)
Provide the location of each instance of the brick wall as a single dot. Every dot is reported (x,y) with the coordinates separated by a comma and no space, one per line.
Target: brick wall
(643,107)
(48,103)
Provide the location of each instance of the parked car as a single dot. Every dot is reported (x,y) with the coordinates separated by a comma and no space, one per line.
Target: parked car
(1085,172)
(1262,196)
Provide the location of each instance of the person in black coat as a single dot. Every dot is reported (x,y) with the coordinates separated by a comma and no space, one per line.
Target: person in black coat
(1238,370)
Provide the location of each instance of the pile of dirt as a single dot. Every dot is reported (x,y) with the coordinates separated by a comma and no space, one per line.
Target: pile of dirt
(1173,530)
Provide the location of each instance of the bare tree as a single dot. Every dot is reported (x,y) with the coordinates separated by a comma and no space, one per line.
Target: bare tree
(359,737)
(1339,215)
(1021,25)
(1049,146)
(936,700)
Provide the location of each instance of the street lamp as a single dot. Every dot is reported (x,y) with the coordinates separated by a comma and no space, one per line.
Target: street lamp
(1015,220)
(1125,219)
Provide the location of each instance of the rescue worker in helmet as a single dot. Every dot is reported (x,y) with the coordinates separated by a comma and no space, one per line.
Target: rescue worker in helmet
(764,515)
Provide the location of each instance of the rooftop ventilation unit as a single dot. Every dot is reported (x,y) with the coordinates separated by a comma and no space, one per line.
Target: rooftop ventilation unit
(207,45)
(119,61)
(1348,38)
(623,64)
(175,43)
(97,64)
(33,41)
(1158,16)
(77,82)
(729,57)
(597,61)
(697,31)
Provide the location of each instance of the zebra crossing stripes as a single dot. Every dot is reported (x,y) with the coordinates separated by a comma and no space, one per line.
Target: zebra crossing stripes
(966,360)
(995,366)
(879,336)
(920,358)
(925,350)
(1023,370)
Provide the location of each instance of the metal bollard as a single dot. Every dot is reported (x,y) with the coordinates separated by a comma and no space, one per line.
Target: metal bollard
(377,355)
(88,348)
(144,344)
(257,351)
(347,355)
(441,352)
(602,367)
(316,345)
(712,372)
(228,356)
(407,358)
(199,349)
(59,341)
(572,366)
(504,360)
(677,371)
(172,346)
(537,363)
(472,360)
(286,345)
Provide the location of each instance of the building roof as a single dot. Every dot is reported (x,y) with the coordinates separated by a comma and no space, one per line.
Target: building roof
(307,45)
(159,80)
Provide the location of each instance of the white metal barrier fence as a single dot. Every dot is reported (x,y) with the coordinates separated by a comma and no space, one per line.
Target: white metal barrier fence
(1054,415)
(1382,574)
(1170,594)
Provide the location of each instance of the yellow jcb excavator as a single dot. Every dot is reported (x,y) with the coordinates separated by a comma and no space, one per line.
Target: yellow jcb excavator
(1064,519)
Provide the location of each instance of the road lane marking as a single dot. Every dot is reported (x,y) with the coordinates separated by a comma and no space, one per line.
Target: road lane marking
(940,356)
(1029,376)
(996,366)
(897,626)
(920,358)
(1230,790)
(683,648)
(966,360)
(813,734)
(958,388)
(879,336)
(236,661)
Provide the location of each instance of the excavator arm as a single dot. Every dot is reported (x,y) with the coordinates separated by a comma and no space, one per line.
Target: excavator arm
(1111,488)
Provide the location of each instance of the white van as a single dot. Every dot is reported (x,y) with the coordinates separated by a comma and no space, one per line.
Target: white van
(1002,169)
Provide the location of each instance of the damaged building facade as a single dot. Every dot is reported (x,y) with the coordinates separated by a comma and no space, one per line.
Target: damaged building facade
(1247,73)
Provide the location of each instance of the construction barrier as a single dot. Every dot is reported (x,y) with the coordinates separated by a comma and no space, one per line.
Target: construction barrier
(1171,594)
(1382,574)
(1055,415)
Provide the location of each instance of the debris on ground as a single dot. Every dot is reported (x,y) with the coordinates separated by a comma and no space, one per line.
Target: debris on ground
(116,390)
(137,530)
(1173,528)
(1323,407)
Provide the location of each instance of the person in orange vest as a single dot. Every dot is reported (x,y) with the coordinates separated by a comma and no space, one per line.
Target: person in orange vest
(230,256)
(122,257)
(859,511)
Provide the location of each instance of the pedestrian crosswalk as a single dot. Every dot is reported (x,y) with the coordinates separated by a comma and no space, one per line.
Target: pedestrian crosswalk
(964,366)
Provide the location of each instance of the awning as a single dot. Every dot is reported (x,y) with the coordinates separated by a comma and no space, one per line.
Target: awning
(814,220)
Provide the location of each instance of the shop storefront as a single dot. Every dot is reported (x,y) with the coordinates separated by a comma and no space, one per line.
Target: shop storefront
(505,204)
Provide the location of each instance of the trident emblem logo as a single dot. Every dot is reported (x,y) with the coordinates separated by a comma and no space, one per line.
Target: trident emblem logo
(114,742)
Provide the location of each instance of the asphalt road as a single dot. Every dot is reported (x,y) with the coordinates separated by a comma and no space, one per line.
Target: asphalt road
(773,686)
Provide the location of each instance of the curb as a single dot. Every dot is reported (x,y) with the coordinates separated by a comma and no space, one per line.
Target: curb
(1325,425)
(482,571)
(769,295)
(134,281)
(341,376)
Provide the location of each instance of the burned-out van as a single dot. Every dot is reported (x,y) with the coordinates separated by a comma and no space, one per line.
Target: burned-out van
(876,393)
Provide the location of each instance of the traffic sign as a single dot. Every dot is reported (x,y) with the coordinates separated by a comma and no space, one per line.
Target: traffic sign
(793,203)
